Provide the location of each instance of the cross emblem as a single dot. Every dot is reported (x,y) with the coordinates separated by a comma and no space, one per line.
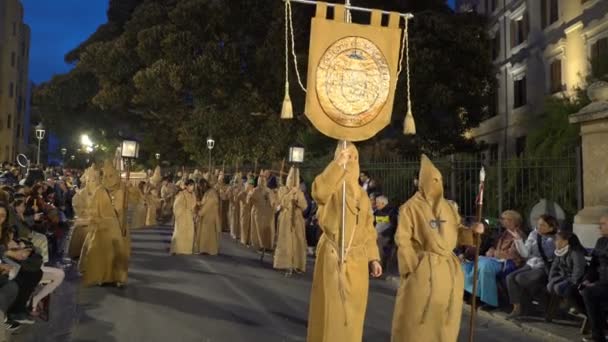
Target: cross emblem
(436,223)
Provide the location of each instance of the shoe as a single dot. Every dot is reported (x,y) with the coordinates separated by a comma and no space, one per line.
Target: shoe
(12,326)
(23,319)
(589,338)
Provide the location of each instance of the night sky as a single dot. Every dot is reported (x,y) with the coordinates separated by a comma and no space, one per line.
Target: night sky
(58,26)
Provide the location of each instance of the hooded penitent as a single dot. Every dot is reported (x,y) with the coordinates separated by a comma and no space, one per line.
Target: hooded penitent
(429,301)
(262,202)
(290,252)
(234,206)
(106,250)
(208,227)
(339,293)
(245,210)
(156,177)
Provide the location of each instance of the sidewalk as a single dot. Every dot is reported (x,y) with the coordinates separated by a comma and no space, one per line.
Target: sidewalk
(560,330)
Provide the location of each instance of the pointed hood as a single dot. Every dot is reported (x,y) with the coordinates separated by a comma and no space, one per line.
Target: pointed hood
(293,178)
(156,177)
(353,165)
(263,179)
(430,181)
(111,177)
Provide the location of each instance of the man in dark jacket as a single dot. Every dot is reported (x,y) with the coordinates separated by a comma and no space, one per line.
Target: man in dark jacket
(385,222)
(594,288)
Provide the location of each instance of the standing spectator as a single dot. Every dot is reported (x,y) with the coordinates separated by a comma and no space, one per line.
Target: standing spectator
(594,288)
(367,183)
(385,221)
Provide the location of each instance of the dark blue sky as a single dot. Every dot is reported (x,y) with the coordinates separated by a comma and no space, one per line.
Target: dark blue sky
(58,26)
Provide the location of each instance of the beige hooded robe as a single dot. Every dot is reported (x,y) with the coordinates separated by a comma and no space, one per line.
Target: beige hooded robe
(105,252)
(245,213)
(208,230)
(182,241)
(262,202)
(429,300)
(290,252)
(338,299)
(234,210)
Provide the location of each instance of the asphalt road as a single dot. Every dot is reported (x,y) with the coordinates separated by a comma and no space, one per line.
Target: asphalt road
(231,297)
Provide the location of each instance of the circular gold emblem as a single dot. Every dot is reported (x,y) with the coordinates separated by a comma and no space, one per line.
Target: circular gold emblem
(353,81)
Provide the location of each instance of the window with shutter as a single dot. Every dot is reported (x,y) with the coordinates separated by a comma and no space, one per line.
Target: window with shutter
(543,13)
(556,76)
(599,58)
(553,11)
(519,93)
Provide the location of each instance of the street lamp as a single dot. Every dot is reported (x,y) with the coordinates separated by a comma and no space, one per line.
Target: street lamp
(296,154)
(63,153)
(157,155)
(129,151)
(210,146)
(39,135)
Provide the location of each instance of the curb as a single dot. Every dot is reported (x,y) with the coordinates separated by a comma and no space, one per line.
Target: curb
(526,328)
(393,282)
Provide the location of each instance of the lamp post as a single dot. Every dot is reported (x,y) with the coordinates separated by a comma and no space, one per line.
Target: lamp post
(129,151)
(296,154)
(64,151)
(210,145)
(157,156)
(40,131)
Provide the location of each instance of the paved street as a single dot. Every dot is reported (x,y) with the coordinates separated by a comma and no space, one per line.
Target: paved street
(231,297)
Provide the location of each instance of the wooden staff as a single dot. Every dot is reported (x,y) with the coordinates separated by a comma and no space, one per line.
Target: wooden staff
(482,178)
(282,172)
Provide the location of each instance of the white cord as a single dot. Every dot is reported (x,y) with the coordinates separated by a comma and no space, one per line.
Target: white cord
(293,45)
(349,18)
(405,50)
(407,64)
(286,46)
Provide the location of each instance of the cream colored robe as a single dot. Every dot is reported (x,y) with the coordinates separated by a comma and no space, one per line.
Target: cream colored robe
(429,300)
(167,194)
(184,205)
(140,212)
(331,319)
(153,203)
(223,193)
(244,217)
(234,212)
(262,202)
(208,229)
(290,252)
(104,257)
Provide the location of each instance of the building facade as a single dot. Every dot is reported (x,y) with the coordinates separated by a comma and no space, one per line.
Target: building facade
(540,48)
(14,79)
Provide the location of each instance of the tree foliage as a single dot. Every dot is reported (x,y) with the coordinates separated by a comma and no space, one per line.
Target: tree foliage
(174,72)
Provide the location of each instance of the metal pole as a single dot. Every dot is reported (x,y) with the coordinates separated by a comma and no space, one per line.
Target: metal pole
(353,8)
(579,179)
(38,157)
(209,162)
(125,204)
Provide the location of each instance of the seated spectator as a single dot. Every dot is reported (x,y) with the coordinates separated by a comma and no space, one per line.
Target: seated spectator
(567,269)
(500,260)
(594,288)
(539,249)
(385,220)
(8,288)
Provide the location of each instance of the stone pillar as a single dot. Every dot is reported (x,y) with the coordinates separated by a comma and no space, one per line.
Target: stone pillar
(593,121)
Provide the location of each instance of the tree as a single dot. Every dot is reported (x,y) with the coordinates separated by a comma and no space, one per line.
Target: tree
(182,70)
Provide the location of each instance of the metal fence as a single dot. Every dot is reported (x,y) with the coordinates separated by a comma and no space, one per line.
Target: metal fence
(516,183)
